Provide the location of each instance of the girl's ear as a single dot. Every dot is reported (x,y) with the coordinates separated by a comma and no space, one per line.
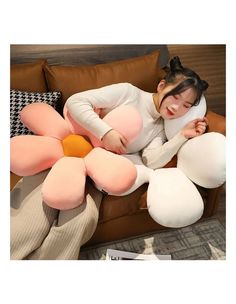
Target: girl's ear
(161,85)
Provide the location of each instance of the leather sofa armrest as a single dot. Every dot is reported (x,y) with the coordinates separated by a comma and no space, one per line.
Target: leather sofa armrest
(217,123)
(13,180)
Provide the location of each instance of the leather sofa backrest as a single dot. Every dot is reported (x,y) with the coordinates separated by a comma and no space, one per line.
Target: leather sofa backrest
(143,72)
(28,77)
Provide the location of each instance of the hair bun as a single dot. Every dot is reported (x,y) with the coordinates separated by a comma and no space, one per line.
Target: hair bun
(175,64)
(204,85)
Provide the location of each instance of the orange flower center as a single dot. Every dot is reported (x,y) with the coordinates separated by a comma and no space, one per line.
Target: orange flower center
(76,145)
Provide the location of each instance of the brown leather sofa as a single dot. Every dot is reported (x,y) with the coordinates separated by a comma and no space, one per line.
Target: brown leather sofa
(120,217)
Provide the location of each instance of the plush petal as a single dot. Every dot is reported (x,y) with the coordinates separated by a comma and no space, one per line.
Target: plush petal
(73,125)
(32,154)
(202,159)
(143,175)
(172,199)
(124,119)
(64,186)
(111,173)
(43,119)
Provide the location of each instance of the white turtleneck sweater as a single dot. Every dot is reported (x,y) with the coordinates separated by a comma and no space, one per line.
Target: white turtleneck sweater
(151,141)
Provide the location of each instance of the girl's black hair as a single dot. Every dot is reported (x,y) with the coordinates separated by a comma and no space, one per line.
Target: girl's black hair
(191,80)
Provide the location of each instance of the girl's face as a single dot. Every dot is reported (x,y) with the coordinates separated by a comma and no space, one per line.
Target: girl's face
(176,105)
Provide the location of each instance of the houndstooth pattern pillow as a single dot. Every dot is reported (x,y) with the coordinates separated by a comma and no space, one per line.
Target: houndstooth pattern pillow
(19,99)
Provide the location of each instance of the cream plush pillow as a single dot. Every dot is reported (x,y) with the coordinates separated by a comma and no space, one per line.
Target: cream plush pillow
(202,159)
(172,199)
(173,126)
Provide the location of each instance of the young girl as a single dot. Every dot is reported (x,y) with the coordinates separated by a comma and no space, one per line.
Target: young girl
(181,89)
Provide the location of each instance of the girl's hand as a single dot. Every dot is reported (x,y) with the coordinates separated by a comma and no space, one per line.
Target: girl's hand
(115,142)
(195,128)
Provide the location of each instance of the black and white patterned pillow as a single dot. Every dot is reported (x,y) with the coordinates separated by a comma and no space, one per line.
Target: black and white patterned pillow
(19,99)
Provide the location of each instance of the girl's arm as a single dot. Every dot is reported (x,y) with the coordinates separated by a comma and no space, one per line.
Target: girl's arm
(158,152)
(81,106)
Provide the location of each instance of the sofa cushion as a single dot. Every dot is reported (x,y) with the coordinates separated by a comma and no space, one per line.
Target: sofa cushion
(28,77)
(142,71)
(19,99)
(113,207)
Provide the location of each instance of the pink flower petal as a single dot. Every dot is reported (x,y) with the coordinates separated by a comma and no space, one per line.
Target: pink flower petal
(43,119)
(73,125)
(32,154)
(64,186)
(112,173)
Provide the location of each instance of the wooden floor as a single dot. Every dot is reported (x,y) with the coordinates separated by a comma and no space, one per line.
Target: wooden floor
(209,62)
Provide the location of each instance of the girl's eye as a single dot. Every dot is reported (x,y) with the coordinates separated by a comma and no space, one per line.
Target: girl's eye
(187,106)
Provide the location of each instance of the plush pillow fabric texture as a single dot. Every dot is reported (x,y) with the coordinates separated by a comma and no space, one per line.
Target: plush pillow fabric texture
(42,119)
(57,192)
(112,173)
(202,159)
(172,199)
(143,72)
(32,154)
(28,77)
(19,99)
(125,119)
